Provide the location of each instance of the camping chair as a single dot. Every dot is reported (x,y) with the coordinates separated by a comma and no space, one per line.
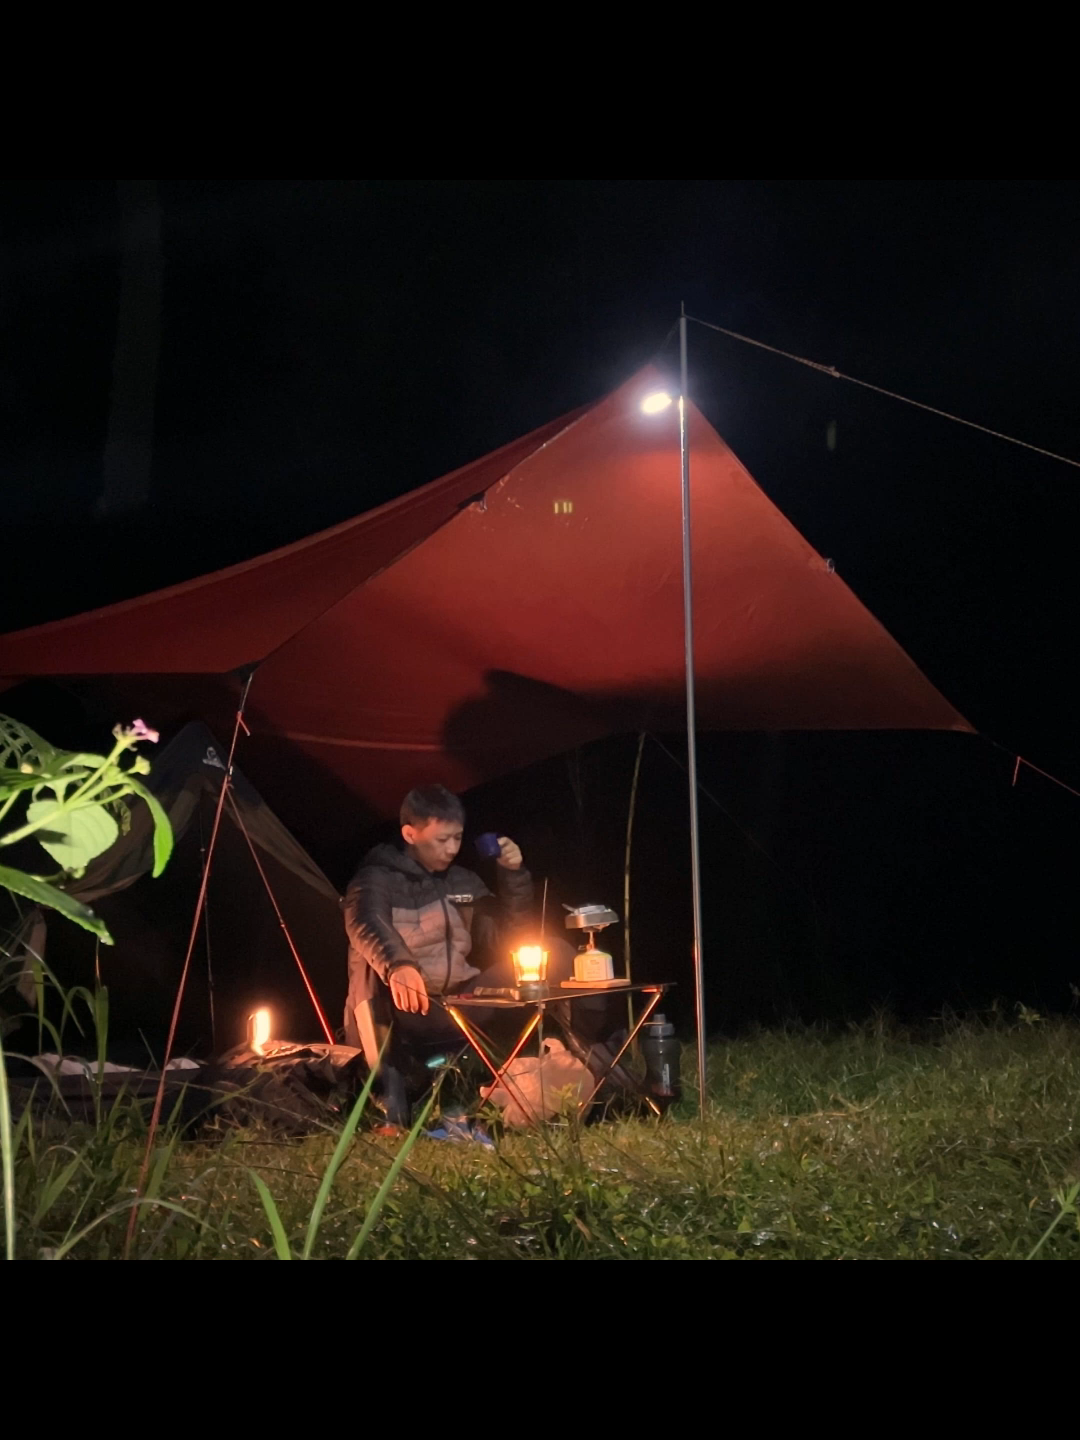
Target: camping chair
(407,1071)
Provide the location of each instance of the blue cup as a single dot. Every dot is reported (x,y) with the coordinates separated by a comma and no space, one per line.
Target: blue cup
(488,846)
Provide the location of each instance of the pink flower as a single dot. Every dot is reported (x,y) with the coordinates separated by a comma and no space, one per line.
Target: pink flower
(141,731)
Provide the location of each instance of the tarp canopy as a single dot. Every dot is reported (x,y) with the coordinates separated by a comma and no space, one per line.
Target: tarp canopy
(241,950)
(523,605)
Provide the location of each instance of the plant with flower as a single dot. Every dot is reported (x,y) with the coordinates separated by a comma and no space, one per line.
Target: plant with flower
(75,808)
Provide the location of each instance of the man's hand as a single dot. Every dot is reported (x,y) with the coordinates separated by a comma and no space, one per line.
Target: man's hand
(510,858)
(408,990)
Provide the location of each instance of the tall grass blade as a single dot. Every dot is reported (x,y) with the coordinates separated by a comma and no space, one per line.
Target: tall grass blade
(160,1165)
(7,1155)
(277,1229)
(41,973)
(101,1027)
(54,1188)
(375,1208)
(340,1151)
(23,1132)
(68,1245)
(1066,1206)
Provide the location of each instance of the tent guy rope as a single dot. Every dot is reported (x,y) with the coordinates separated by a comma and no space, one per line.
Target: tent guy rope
(1019,759)
(836,374)
(323,1022)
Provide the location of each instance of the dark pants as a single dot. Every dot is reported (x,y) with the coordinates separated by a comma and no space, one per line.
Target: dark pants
(416,1038)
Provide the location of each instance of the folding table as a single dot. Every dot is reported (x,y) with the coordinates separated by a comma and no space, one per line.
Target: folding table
(458,1006)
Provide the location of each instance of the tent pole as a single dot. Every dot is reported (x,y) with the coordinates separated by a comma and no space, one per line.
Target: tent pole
(206,930)
(691,722)
(155,1114)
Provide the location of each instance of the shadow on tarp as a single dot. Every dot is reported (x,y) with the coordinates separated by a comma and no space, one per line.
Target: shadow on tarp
(519,720)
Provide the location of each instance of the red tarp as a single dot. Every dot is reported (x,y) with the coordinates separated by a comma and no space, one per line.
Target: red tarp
(437,639)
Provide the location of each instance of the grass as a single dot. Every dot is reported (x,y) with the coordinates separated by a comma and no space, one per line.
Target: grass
(962,1142)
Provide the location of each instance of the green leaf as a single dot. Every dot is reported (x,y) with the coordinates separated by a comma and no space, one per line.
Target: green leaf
(53,789)
(163,836)
(73,837)
(19,883)
(13,780)
(78,760)
(20,740)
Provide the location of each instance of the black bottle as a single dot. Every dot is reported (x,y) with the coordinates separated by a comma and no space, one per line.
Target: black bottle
(661,1051)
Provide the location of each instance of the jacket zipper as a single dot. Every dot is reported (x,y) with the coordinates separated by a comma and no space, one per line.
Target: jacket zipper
(449,960)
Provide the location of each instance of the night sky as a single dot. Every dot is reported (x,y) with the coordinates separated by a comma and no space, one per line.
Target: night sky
(327,345)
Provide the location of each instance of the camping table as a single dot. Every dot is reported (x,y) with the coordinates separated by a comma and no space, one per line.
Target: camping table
(457,1007)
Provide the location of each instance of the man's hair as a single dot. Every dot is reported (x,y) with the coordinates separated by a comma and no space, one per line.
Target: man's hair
(431,802)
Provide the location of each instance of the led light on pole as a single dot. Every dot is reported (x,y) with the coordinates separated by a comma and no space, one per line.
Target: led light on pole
(655,402)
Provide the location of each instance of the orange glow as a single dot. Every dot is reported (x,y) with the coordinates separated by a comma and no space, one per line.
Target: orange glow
(530,965)
(259,1031)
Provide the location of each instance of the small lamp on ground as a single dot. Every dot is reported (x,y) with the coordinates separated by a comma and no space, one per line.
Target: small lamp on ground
(259,1031)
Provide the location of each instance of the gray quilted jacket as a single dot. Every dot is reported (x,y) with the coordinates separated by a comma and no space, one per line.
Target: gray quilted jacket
(398,913)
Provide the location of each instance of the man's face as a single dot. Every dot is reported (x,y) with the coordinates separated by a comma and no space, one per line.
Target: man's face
(436,842)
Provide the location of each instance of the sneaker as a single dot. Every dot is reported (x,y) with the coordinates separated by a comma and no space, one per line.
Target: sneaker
(460,1130)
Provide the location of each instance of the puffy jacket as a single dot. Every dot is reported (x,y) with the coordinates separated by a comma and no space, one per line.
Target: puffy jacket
(398,913)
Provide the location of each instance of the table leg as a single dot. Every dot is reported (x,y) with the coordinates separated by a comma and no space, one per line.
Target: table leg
(649,1008)
(500,1074)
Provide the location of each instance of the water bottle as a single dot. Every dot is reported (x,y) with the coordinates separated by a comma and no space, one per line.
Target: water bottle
(661,1051)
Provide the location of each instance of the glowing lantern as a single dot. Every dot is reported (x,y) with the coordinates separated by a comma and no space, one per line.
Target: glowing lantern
(259,1031)
(530,970)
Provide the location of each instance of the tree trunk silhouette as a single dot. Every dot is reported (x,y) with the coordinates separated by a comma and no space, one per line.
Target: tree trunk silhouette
(129,442)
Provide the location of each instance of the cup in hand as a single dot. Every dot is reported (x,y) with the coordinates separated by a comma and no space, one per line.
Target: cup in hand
(488,846)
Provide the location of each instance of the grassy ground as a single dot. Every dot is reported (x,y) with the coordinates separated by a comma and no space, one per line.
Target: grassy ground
(867,1144)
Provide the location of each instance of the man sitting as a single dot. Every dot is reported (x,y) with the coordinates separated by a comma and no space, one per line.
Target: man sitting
(416,920)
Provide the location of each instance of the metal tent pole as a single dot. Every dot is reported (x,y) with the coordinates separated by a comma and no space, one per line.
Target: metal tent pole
(691,725)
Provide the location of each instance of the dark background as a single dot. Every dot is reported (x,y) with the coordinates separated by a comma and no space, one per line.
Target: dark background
(327,345)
